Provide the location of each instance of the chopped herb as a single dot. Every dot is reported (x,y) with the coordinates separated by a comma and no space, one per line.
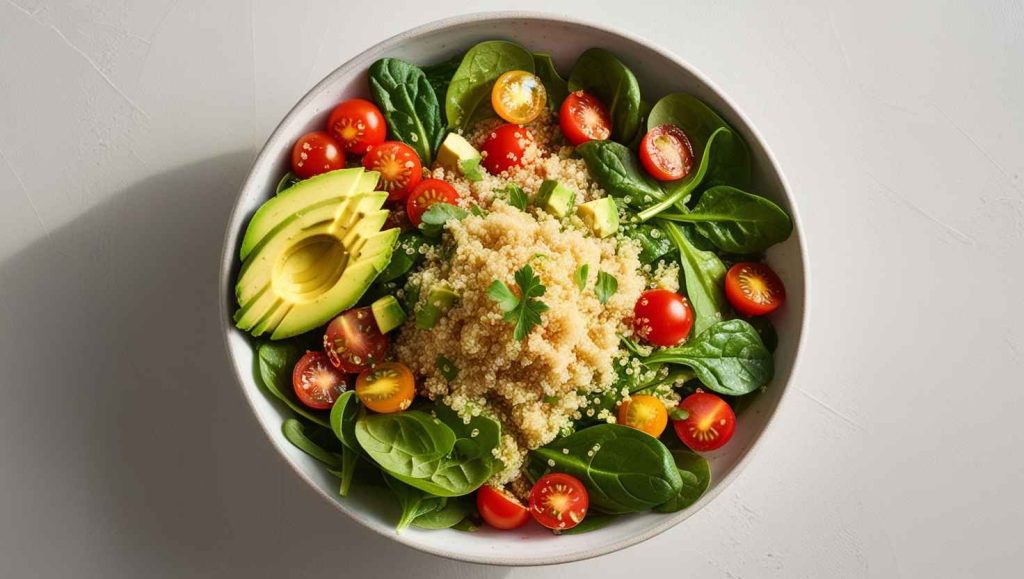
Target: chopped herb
(476,210)
(551,399)
(525,309)
(447,369)
(471,169)
(437,215)
(581,275)
(537,257)
(516,196)
(606,286)
(678,414)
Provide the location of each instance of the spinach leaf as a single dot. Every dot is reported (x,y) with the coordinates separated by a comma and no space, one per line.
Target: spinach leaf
(471,462)
(275,361)
(592,522)
(344,414)
(455,510)
(728,358)
(409,105)
(696,474)
(296,434)
(287,181)
(600,73)
(439,76)
(653,241)
(617,171)
(766,330)
(433,220)
(555,86)
(349,462)
(446,368)
(624,470)
(704,275)
(736,221)
(414,502)
(405,256)
(468,99)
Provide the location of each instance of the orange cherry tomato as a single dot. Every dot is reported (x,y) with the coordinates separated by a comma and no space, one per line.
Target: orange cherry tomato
(645,413)
(353,341)
(710,423)
(317,383)
(666,153)
(583,118)
(315,153)
(386,388)
(399,167)
(500,509)
(753,289)
(518,97)
(559,501)
(358,125)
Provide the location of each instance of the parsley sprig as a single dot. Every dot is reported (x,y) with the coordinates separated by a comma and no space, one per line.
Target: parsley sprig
(523,309)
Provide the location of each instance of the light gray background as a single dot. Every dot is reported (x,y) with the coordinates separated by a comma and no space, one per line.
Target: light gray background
(127,450)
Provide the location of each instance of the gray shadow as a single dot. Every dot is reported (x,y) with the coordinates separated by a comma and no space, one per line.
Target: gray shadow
(125,443)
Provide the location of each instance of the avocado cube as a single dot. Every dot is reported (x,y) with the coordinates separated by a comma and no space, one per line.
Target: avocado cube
(456,153)
(388,314)
(555,198)
(600,215)
(440,299)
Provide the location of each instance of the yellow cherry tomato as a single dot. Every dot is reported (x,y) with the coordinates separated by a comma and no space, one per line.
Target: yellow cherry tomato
(645,413)
(518,97)
(386,388)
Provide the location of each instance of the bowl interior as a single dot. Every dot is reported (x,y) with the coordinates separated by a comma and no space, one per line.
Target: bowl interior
(658,74)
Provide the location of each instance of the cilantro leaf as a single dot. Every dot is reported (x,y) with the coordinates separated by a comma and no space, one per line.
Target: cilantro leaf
(524,309)
(581,276)
(606,287)
(433,220)
(470,169)
(447,368)
(516,196)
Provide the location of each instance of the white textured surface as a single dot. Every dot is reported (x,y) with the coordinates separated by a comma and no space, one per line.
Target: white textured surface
(127,450)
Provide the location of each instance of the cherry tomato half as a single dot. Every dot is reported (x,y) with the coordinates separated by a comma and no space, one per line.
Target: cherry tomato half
(753,289)
(645,413)
(500,509)
(666,153)
(504,148)
(399,167)
(317,383)
(559,501)
(316,153)
(353,342)
(518,97)
(583,118)
(358,125)
(427,193)
(710,423)
(662,317)
(386,388)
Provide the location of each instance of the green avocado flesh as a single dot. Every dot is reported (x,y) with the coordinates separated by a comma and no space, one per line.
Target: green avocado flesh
(311,252)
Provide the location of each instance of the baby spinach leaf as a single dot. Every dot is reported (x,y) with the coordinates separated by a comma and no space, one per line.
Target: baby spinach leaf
(704,276)
(409,104)
(555,86)
(406,444)
(439,76)
(617,171)
(581,275)
(349,461)
(600,73)
(433,220)
(447,368)
(468,99)
(471,455)
(624,470)
(592,522)
(344,414)
(766,330)
(287,181)
(606,286)
(728,358)
(736,221)
(653,241)
(696,474)
(296,434)
(414,502)
(405,256)
(275,361)
(454,511)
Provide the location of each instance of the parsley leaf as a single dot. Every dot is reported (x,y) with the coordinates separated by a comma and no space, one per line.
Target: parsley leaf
(581,275)
(433,220)
(524,309)
(606,286)
(470,169)
(447,368)
(516,196)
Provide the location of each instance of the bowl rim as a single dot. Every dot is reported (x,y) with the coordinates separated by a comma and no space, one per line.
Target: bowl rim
(228,257)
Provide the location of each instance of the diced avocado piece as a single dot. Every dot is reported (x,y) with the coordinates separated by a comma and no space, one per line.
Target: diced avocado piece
(600,215)
(440,299)
(555,198)
(388,313)
(457,154)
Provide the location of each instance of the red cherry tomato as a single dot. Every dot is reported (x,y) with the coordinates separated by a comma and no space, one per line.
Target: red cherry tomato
(559,501)
(666,153)
(753,289)
(316,153)
(583,118)
(358,125)
(399,167)
(353,342)
(317,383)
(500,509)
(504,148)
(426,194)
(662,318)
(710,424)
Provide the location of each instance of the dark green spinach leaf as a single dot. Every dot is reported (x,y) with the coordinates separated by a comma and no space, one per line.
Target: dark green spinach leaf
(468,99)
(287,181)
(696,474)
(405,256)
(414,502)
(592,522)
(617,171)
(600,73)
(409,104)
(454,511)
(653,241)
(736,221)
(439,76)
(296,433)
(344,414)
(554,85)
(275,361)
(704,276)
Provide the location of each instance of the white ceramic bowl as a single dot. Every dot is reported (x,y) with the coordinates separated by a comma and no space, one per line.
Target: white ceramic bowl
(659,72)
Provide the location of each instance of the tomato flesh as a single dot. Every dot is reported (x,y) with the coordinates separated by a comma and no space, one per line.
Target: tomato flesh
(518,97)
(316,381)
(504,148)
(427,193)
(583,118)
(710,424)
(666,153)
(645,413)
(559,501)
(358,125)
(500,509)
(662,318)
(399,167)
(353,342)
(386,388)
(315,153)
(753,289)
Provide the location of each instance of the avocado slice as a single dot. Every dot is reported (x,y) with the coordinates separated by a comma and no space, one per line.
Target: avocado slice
(555,198)
(600,215)
(440,299)
(457,154)
(388,313)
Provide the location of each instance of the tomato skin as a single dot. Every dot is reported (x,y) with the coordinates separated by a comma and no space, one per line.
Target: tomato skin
(317,383)
(645,413)
(666,153)
(559,501)
(358,125)
(662,318)
(315,153)
(399,167)
(710,425)
(500,509)
(753,289)
(583,118)
(518,96)
(353,341)
(386,388)
(425,194)
(504,148)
